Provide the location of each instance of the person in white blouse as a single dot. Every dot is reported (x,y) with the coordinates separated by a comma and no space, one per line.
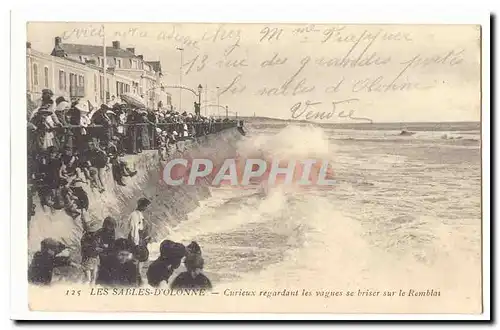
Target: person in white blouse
(137,236)
(136,221)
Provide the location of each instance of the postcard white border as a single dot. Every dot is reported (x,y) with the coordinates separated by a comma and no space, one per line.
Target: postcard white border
(424,12)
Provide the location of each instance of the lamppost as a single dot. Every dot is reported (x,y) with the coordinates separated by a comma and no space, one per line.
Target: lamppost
(200,89)
(180,78)
(218,103)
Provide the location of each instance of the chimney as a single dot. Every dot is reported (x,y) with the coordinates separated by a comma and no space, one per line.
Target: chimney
(132,50)
(116,44)
(57,41)
(141,57)
(28,44)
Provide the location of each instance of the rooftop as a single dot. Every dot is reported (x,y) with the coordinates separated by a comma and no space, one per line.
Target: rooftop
(92,50)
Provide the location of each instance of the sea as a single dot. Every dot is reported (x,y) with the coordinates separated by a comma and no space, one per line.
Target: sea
(405,213)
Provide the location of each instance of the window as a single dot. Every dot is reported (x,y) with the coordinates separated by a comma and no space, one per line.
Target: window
(35,74)
(119,63)
(62,80)
(81,58)
(46,77)
(73,82)
(95,83)
(81,81)
(119,91)
(131,63)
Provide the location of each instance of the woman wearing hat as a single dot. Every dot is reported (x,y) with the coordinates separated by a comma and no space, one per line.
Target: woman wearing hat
(45,124)
(143,130)
(61,110)
(78,116)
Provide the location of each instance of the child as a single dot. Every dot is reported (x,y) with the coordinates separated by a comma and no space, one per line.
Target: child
(193,248)
(123,267)
(45,260)
(97,160)
(193,277)
(76,199)
(119,167)
(162,143)
(90,249)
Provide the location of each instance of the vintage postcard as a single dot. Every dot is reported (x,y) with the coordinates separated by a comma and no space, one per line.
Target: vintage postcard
(253,168)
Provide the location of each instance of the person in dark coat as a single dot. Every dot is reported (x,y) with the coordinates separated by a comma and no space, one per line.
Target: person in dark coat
(44,261)
(152,118)
(143,136)
(50,191)
(132,118)
(107,233)
(193,278)
(123,268)
(101,117)
(171,254)
(107,237)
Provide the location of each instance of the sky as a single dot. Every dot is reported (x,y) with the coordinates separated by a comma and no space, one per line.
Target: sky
(325,73)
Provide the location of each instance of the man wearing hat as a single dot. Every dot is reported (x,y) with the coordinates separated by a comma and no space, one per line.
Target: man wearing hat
(100,117)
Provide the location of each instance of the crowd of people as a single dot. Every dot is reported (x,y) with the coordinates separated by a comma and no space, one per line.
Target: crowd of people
(71,145)
(110,261)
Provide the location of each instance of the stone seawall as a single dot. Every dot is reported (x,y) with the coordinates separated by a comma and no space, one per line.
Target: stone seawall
(170,204)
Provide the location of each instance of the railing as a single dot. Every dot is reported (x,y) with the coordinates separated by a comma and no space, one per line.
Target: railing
(131,131)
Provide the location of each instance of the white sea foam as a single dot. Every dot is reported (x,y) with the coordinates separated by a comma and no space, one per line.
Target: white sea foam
(347,238)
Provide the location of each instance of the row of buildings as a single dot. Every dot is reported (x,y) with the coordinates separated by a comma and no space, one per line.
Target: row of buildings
(77,71)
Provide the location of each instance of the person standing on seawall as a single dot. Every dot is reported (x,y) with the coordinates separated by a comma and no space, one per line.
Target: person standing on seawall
(136,225)
(136,221)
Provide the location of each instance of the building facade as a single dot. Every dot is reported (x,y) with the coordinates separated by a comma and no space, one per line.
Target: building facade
(77,71)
